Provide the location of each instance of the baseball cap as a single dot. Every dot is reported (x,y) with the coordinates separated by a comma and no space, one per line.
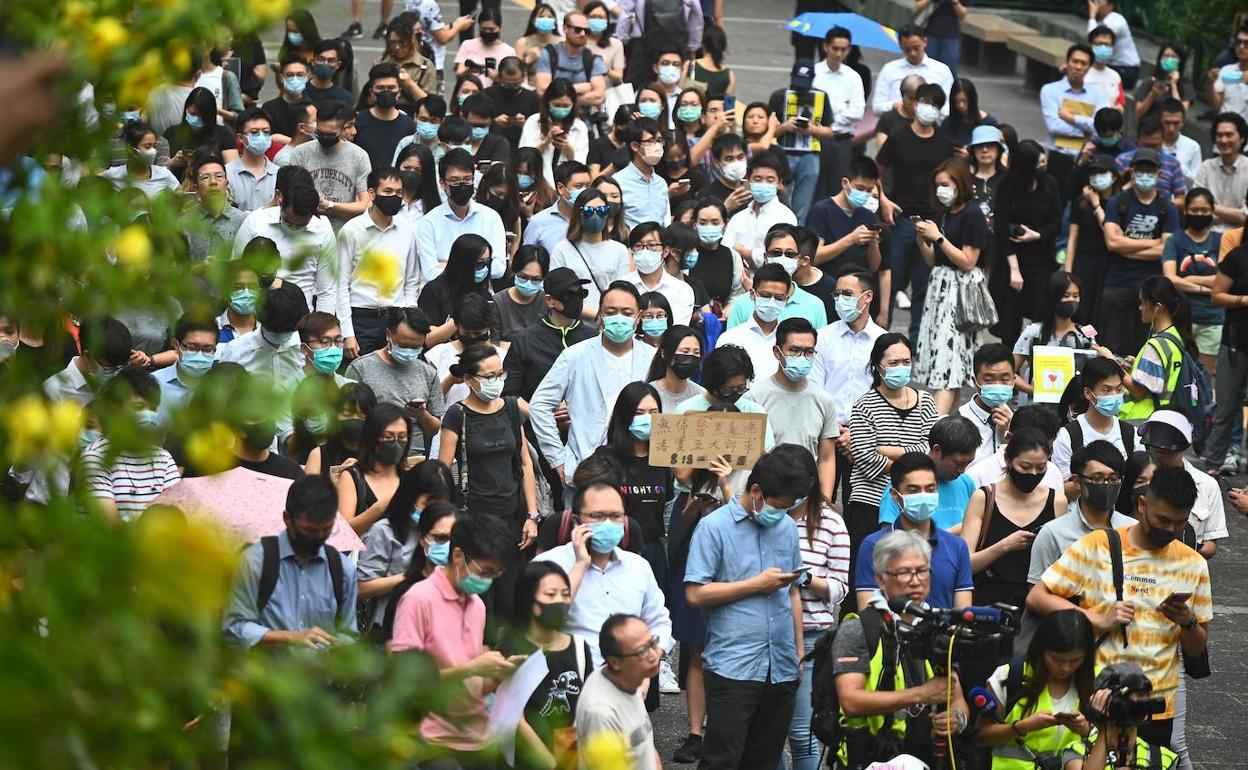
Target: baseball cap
(987,135)
(803,73)
(1146,155)
(1167,430)
(562,280)
(1103,162)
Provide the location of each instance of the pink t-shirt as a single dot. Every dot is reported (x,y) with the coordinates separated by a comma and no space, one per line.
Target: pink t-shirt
(476,50)
(448,627)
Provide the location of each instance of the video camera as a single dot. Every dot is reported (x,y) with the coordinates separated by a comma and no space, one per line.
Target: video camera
(975,632)
(1125,680)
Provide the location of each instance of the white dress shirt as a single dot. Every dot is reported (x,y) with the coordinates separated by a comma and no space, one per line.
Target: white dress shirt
(578,143)
(845,93)
(358,236)
(1187,151)
(757,343)
(309,257)
(749,227)
(678,294)
(888,81)
(841,358)
(69,384)
(1208,515)
(255,354)
(436,233)
(989,441)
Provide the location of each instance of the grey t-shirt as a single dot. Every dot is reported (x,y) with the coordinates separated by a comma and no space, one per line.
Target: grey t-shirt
(603,707)
(849,650)
(799,417)
(669,402)
(340,174)
(399,384)
(511,318)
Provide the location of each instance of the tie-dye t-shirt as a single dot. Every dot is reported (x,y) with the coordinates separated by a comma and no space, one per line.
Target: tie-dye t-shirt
(1149,577)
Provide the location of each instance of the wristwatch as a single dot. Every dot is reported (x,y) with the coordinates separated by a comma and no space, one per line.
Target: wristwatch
(534,516)
(936,243)
(806,580)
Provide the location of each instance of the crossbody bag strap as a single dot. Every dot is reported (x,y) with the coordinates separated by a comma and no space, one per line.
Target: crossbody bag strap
(592,277)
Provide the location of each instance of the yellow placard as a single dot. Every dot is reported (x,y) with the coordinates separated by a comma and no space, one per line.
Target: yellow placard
(1052,368)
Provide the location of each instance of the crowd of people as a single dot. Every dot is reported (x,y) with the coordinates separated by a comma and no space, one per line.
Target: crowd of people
(472,284)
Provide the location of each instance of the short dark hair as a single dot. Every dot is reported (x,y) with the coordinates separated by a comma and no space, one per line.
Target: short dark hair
(767,159)
(1149,125)
(866,279)
(607,643)
(992,353)
(955,434)
(724,363)
(1172,105)
(131,381)
(458,159)
(1235,119)
(625,287)
(911,30)
(434,105)
(640,127)
(386,69)
(863,167)
(837,32)
(1026,440)
(1173,486)
(725,142)
(333,110)
(107,340)
(909,463)
(195,323)
(482,536)
(778,477)
(284,306)
(780,230)
(772,272)
(312,497)
(250,114)
(1098,370)
(578,495)
(564,171)
(1101,451)
(1107,120)
(795,325)
(414,317)
(481,104)
(316,324)
(205,159)
(1038,416)
(293,58)
(301,197)
(1082,48)
(376,176)
(1100,30)
(328,44)
(933,93)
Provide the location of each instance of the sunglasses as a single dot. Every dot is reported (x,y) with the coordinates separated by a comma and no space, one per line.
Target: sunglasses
(601,211)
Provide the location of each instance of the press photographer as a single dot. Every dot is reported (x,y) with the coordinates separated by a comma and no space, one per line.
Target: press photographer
(1122,701)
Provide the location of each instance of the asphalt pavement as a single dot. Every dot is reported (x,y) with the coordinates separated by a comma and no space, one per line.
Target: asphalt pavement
(759,52)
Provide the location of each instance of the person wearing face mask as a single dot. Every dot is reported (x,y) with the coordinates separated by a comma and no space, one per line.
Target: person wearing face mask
(397,373)
(588,252)
(1086,252)
(443,617)
(848,230)
(210,227)
(1002,519)
(195,341)
(440,229)
(644,192)
(520,306)
(915,492)
(481,55)
(140,169)
(1100,74)
(470,322)
(366,488)
(1144,628)
(1101,384)
(757,334)
(556,131)
(515,103)
(989,408)
(792,248)
(549,227)
(588,377)
(677,360)
(1167,435)
(717,266)
(727,172)
(292,79)
(1152,379)
(747,231)
(343,431)
(805,123)
(252,176)
(645,241)
(285,618)
(321,342)
(198,128)
(253,449)
(339,168)
(381,126)
(272,351)
(417,172)
(954,441)
(1026,221)
(1190,260)
(534,349)
(105,346)
(322,87)
(362,304)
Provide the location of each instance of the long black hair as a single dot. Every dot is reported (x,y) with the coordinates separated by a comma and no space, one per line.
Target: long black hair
(1021,175)
(355,397)
(499,174)
(558,87)
(374,426)
(619,440)
(526,592)
(461,263)
(429,517)
(1061,631)
(430,479)
(1059,282)
(654,300)
(882,344)
(957,123)
(666,351)
(1158,289)
(1137,461)
(427,191)
(205,104)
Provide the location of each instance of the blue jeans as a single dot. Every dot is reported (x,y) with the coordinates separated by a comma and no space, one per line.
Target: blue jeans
(946,50)
(907,265)
(803,745)
(805,168)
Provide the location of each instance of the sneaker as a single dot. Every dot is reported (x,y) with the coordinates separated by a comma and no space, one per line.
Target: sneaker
(1230,463)
(689,751)
(668,685)
(903,302)
(354,31)
(380,32)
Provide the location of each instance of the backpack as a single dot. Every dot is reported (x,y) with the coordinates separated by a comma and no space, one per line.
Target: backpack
(825,715)
(1193,390)
(1075,431)
(271,564)
(587,61)
(665,26)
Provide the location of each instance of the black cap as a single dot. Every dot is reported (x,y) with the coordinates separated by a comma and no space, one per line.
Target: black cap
(560,282)
(1103,162)
(803,73)
(1146,155)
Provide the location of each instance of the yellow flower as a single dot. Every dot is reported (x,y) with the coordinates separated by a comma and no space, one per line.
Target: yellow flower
(28,427)
(381,269)
(134,248)
(184,566)
(606,750)
(77,14)
(265,11)
(107,35)
(179,57)
(211,449)
(140,79)
(66,422)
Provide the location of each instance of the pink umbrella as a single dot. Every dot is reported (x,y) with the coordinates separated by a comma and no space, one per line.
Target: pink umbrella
(246,504)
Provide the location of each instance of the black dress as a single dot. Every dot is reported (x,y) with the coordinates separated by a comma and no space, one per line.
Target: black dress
(1005,580)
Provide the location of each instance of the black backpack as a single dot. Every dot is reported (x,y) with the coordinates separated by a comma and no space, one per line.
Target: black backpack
(272,563)
(825,717)
(1075,431)
(587,61)
(665,26)
(1193,390)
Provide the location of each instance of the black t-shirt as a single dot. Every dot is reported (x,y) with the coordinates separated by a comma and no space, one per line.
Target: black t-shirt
(646,491)
(319,96)
(274,465)
(552,706)
(250,52)
(944,21)
(912,160)
(812,103)
(523,102)
(181,137)
(379,138)
(986,190)
(965,228)
(548,534)
(890,122)
(604,152)
(1235,267)
(281,118)
(1091,236)
(831,223)
(491,453)
(714,270)
(494,147)
(825,290)
(698,180)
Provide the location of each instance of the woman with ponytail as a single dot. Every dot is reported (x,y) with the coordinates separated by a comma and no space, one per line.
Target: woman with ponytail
(1152,378)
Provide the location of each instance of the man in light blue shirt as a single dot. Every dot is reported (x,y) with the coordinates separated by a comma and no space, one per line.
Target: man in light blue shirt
(436,231)
(954,441)
(549,227)
(644,192)
(743,571)
(196,344)
(1068,105)
(293,590)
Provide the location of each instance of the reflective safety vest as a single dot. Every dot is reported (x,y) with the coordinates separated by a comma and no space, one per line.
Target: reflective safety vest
(1021,753)
(1171,355)
(1147,756)
(877,682)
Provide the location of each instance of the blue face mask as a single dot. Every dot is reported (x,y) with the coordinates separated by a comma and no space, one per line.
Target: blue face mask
(276,339)
(295,84)
(920,506)
(768,309)
(146,418)
(327,360)
(525,181)
(560,113)
(437,553)
(259,144)
(294,38)
(690,261)
(770,515)
(847,308)
(426,131)
(317,426)
(797,367)
(194,121)
(653,327)
(544,24)
(1144,182)
(710,233)
(243,301)
(480,273)
(857,198)
(1109,406)
(130,116)
(762,192)
(403,355)
(194,364)
(1232,75)
(606,536)
(1102,53)
(996,395)
(897,377)
(639,428)
(650,109)
(528,288)
(688,113)
(618,328)
(597,26)
(480,132)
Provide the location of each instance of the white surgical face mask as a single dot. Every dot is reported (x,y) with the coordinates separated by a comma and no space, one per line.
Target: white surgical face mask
(926,113)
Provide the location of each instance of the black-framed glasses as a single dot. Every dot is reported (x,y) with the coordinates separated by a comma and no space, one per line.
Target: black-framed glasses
(597,517)
(326,342)
(476,568)
(777,254)
(1100,481)
(581,30)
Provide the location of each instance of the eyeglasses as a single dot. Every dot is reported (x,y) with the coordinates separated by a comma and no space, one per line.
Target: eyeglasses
(1098,481)
(209,349)
(907,575)
(322,60)
(589,211)
(649,647)
(211,177)
(646,246)
(777,254)
(597,517)
(326,342)
(795,352)
(580,30)
(650,315)
(438,538)
(492,575)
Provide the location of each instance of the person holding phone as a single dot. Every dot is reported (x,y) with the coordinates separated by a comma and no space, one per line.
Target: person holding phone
(481,54)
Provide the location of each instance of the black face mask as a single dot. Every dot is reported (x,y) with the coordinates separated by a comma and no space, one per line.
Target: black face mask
(461,193)
(511,89)
(389,453)
(388,204)
(1101,497)
(1198,221)
(553,616)
(1026,482)
(613,211)
(259,436)
(496,202)
(386,99)
(572,306)
(411,181)
(727,396)
(1067,308)
(304,545)
(327,140)
(489,37)
(351,429)
(685,365)
(1158,538)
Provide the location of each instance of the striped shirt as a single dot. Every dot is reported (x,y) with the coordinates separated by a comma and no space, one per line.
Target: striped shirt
(1149,577)
(878,423)
(132,481)
(827,555)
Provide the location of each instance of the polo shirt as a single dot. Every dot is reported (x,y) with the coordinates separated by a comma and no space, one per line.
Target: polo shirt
(951,565)
(989,441)
(449,627)
(953,497)
(802,304)
(248,191)
(644,200)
